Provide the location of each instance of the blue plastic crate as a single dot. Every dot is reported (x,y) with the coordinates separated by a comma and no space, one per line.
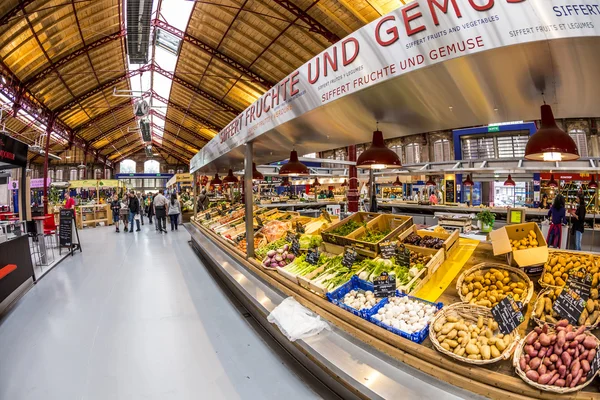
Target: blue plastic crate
(417,337)
(337,296)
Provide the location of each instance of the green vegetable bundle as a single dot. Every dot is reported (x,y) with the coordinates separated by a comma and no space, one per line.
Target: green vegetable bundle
(374,236)
(277,244)
(301,267)
(310,241)
(346,229)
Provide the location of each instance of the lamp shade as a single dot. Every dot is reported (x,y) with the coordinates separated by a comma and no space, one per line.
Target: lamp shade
(550,143)
(430,182)
(256,175)
(345,183)
(468,182)
(378,156)
(509,181)
(230,178)
(294,167)
(397,182)
(552,183)
(316,182)
(216,180)
(593,184)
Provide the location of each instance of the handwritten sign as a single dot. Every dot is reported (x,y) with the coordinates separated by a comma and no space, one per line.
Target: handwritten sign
(326,215)
(388,249)
(570,303)
(508,315)
(384,285)
(300,227)
(312,257)
(349,257)
(403,256)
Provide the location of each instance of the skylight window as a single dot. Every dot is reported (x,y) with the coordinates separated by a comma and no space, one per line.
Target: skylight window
(168,42)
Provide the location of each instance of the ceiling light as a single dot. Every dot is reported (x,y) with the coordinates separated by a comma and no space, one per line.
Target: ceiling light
(316,182)
(430,182)
(216,180)
(552,183)
(256,175)
(397,182)
(509,181)
(593,184)
(293,167)
(468,182)
(550,143)
(345,183)
(230,178)
(378,156)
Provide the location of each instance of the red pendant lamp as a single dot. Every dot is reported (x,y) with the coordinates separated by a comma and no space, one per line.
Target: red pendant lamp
(378,156)
(552,183)
(316,183)
(509,181)
(230,178)
(294,167)
(430,182)
(397,182)
(468,182)
(345,183)
(593,184)
(256,175)
(550,143)
(216,180)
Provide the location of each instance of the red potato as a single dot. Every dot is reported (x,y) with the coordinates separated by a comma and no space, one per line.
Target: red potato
(559,363)
(575,367)
(527,358)
(533,375)
(542,352)
(546,361)
(542,370)
(566,359)
(543,340)
(554,378)
(561,329)
(557,349)
(535,363)
(570,336)
(568,380)
(537,346)
(560,383)
(575,380)
(590,342)
(573,344)
(562,371)
(569,328)
(522,363)
(584,355)
(560,339)
(591,355)
(545,378)
(562,322)
(571,352)
(585,366)
(531,338)
(553,358)
(580,330)
(530,350)
(544,328)
(580,338)
(537,330)
(549,351)
(551,367)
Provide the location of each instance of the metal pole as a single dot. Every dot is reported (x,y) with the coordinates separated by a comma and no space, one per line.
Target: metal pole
(352,193)
(195,199)
(248,200)
(48,131)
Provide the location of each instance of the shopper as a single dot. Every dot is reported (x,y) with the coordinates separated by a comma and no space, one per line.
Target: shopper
(579,216)
(557,213)
(141,210)
(125,211)
(174,211)
(134,211)
(330,194)
(115,206)
(203,200)
(544,203)
(69,202)
(433,198)
(148,207)
(161,208)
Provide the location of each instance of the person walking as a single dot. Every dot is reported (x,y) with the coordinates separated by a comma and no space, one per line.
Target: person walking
(579,216)
(148,207)
(161,208)
(115,206)
(125,211)
(134,210)
(203,200)
(558,217)
(141,202)
(174,211)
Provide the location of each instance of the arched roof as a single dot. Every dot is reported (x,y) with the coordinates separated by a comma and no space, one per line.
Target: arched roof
(66,58)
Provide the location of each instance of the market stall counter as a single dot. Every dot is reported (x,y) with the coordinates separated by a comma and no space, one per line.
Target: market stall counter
(16,270)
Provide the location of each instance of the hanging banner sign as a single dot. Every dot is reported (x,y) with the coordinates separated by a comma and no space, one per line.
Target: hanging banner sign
(417,35)
(12,151)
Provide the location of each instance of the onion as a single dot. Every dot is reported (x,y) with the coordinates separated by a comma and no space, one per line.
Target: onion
(274,265)
(271,253)
(290,256)
(280,251)
(267,262)
(278,258)
(282,263)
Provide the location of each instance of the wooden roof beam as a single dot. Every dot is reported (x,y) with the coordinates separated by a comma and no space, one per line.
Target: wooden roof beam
(128,153)
(187,142)
(100,116)
(180,108)
(175,146)
(176,157)
(254,77)
(183,128)
(106,134)
(314,25)
(5,19)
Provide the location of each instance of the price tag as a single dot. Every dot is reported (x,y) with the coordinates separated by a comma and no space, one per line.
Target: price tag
(508,315)
(388,249)
(207,216)
(384,285)
(313,256)
(223,207)
(294,243)
(349,257)
(594,365)
(571,301)
(326,215)
(300,227)
(403,256)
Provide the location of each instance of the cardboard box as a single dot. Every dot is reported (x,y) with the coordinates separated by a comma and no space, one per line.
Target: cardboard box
(520,258)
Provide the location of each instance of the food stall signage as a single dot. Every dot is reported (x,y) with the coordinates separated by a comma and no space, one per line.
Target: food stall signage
(388,249)
(12,151)
(403,256)
(493,129)
(571,301)
(384,285)
(508,315)
(349,257)
(415,36)
(312,257)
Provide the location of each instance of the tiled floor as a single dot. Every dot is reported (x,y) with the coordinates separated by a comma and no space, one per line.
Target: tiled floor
(135,316)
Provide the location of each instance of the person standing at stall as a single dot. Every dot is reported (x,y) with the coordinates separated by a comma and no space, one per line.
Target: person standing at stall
(174,211)
(134,210)
(115,206)
(161,208)
(148,207)
(557,214)
(579,216)
(203,200)
(433,198)
(69,202)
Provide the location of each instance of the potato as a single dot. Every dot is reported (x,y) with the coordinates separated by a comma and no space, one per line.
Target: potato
(472,349)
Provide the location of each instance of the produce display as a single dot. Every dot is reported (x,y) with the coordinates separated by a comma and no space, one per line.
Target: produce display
(361,300)
(417,258)
(406,314)
(302,267)
(242,245)
(273,230)
(529,242)
(560,357)
(489,286)
(335,274)
(310,241)
(279,258)
(544,312)
(556,270)
(277,244)
(374,235)
(425,241)
(346,228)
(370,269)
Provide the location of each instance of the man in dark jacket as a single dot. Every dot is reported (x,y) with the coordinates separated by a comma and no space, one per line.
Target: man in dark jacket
(115,206)
(134,209)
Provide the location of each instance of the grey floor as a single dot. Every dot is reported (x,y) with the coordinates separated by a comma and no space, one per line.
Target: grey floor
(135,316)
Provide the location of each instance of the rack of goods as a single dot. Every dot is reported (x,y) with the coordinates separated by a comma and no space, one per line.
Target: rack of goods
(453,304)
(93,215)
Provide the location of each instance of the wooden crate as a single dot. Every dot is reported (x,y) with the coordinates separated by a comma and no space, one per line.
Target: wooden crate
(315,227)
(306,281)
(359,217)
(396,224)
(234,232)
(406,288)
(437,257)
(450,239)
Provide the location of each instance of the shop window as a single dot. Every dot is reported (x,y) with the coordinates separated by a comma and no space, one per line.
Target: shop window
(73,174)
(441,150)
(82,173)
(412,153)
(59,175)
(151,167)
(127,167)
(512,146)
(580,140)
(475,148)
(51,175)
(310,155)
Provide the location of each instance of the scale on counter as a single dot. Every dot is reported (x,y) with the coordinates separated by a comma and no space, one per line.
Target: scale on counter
(462,222)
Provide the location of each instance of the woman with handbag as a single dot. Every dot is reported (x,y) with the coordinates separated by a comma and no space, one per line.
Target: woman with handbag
(557,214)
(174,211)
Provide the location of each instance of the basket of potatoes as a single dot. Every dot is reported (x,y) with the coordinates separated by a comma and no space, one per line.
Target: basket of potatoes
(543,312)
(487,284)
(528,242)
(468,333)
(559,264)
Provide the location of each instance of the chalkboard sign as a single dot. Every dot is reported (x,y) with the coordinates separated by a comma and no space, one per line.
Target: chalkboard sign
(403,256)
(384,285)
(207,216)
(300,227)
(223,207)
(450,193)
(388,249)
(66,228)
(349,257)
(571,300)
(294,243)
(594,365)
(326,215)
(508,315)
(313,256)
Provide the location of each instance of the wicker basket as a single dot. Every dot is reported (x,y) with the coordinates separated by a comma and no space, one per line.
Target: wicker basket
(516,274)
(543,284)
(546,388)
(468,312)
(541,295)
